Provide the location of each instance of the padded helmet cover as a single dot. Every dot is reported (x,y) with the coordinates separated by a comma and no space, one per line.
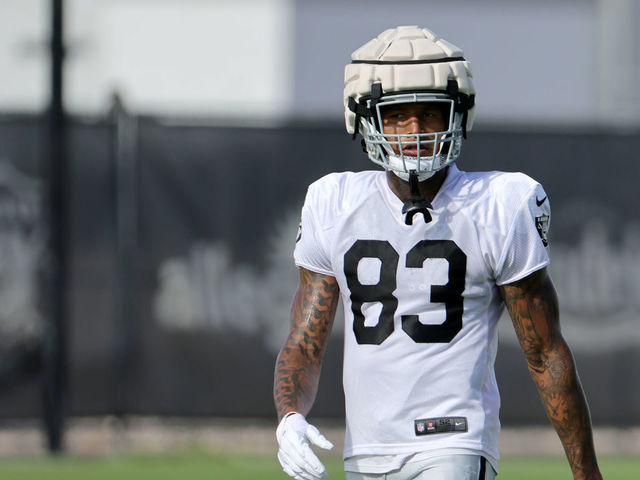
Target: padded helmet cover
(406,59)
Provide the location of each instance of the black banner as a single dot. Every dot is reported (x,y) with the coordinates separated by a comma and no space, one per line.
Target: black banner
(210,278)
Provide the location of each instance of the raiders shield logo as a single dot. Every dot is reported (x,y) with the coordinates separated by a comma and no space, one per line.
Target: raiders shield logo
(299,235)
(542,225)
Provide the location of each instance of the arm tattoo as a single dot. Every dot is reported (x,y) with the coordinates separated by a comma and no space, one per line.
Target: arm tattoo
(298,365)
(533,306)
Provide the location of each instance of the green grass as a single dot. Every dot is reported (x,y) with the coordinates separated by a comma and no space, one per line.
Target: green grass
(197,466)
(556,468)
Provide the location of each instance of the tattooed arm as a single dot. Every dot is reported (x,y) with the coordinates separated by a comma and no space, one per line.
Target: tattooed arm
(298,364)
(533,306)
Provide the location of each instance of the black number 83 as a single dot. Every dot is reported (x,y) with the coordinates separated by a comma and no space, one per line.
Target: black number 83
(450,294)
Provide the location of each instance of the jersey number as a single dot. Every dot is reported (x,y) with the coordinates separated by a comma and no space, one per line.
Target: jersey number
(450,294)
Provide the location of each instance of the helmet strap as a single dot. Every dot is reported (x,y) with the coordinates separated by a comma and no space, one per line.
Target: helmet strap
(462,103)
(361,109)
(416,204)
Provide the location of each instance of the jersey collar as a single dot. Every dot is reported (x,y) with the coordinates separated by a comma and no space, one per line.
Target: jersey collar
(395,204)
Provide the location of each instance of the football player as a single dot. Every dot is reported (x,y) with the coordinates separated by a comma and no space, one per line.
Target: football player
(424,258)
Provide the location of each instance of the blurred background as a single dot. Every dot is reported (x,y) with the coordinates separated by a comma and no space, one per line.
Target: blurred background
(154,156)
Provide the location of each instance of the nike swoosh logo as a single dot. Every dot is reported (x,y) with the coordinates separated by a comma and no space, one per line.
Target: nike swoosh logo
(540,202)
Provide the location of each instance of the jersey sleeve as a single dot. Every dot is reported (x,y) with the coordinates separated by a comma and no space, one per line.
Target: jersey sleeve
(310,251)
(525,249)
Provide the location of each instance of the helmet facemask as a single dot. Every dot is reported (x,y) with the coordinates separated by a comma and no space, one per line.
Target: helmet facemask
(423,152)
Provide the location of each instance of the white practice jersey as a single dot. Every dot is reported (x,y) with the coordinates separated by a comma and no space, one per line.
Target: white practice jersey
(421,302)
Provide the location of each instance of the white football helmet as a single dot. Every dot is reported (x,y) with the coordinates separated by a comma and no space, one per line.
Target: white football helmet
(409,65)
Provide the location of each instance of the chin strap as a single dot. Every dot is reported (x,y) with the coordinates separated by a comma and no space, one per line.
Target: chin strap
(416,204)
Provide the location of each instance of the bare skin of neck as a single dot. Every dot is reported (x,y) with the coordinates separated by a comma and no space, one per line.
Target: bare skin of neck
(428,188)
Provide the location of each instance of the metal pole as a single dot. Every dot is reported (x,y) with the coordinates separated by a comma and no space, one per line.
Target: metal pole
(54,375)
(126,219)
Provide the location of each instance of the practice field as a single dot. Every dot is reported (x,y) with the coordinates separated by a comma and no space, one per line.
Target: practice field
(201,466)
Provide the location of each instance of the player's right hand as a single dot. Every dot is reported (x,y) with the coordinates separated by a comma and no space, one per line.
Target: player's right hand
(295,436)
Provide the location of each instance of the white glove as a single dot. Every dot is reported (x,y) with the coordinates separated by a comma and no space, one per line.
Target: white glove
(294,436)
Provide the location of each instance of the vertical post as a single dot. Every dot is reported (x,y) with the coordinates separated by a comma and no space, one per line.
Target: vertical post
(54,375)
(618,62)
(126,221)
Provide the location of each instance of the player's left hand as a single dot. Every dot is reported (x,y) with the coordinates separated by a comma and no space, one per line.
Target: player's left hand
(295,436)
